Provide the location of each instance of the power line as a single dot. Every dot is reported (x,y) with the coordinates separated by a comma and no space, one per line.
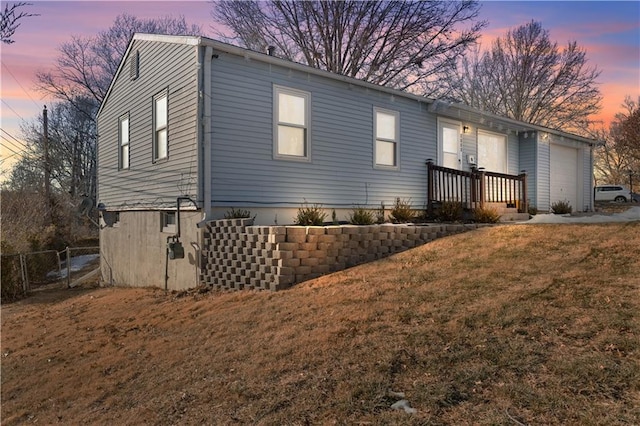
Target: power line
(19,84)
(10,149)
(14,111)
(14,150)
(18,145)
(12,137)
(6,157)
(13,144)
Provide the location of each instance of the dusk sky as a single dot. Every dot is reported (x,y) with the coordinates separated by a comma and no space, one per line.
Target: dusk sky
(608,30)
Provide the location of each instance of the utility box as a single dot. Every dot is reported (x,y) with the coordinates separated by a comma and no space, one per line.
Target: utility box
(471,159)
(176,251)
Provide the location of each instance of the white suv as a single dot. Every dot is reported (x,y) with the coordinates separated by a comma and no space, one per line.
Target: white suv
(617,193)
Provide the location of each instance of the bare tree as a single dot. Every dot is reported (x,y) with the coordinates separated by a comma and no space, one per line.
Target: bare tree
(86,65)
(628,131)
(527,77)
(407,45)
(80,80)
(10,20)
(71,153)
(619,155)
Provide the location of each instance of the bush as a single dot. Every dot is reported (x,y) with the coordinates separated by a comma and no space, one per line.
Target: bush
(237,214)
(334,217)
(486,215)
(532,210)
(380,214)
(561,207)
(10,275)
(450,211)
(402,211)
(310,215)
(361,216)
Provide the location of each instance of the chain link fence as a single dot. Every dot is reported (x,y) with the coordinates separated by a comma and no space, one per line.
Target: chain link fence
(26,272)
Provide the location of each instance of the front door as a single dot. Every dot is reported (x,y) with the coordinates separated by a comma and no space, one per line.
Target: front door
(449,146)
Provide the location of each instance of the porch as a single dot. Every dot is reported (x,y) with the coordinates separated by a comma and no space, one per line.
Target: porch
(477,189)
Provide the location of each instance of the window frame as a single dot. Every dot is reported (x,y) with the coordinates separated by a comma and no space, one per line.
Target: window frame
(505,140)
(444,155)
(156,129)
(121,145)
(168,221)
(395,140)
(306,96)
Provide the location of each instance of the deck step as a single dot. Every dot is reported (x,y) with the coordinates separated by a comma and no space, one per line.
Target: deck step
(507,214)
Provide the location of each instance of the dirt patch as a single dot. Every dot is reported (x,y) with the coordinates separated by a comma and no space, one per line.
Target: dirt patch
(531,324)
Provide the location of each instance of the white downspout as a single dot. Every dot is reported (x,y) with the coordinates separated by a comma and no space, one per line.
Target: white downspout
(206,136)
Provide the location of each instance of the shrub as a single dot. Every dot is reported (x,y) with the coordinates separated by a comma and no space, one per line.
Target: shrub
(532,211)
(421,216)
(401,211)
(10,275)
(450,211)
(380,214)
(486,215)
(361,216)
(310,215)
(561,207)
(237,214)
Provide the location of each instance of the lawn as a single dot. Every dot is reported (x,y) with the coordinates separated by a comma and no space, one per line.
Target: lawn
(508,325)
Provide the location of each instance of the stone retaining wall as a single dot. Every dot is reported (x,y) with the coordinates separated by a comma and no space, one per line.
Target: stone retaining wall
(237,255)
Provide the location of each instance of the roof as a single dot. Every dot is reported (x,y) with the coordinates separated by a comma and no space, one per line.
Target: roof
(435,104)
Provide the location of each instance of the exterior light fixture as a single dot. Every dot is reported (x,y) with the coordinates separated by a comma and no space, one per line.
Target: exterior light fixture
(465,129)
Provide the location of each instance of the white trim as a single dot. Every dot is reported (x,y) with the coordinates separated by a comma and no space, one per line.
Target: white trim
(306,96)
(155,156)
(124,117)
(506,149)
(441,123)
(395,140)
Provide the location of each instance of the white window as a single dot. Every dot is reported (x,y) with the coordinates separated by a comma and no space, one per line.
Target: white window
(168,222)
(387,138)
(492,151)
(123,151)
(291,123)
(160,147)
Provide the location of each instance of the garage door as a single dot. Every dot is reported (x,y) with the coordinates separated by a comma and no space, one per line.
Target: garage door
(564,175)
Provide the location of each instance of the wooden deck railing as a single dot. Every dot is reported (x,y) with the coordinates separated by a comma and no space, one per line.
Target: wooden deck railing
(474,189)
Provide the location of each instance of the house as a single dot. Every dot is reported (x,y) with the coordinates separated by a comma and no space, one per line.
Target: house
(192,128)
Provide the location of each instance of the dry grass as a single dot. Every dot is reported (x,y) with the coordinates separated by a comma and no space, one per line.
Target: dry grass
(503,325)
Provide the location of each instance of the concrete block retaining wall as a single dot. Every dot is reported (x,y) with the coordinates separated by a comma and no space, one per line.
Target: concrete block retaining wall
(238,255)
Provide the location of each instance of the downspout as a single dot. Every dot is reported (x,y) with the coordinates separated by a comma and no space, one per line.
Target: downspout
(206,136)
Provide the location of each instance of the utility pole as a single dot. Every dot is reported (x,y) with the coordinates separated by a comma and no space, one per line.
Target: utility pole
(47,183)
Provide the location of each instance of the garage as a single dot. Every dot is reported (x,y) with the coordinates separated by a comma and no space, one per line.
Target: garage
(564,175)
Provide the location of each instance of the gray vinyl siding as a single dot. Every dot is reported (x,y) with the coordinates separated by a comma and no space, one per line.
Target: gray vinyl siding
(147,184)
(527,154)
(469,147)
(341,171)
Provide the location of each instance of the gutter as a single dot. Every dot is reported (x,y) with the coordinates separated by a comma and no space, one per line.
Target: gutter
(206,137)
